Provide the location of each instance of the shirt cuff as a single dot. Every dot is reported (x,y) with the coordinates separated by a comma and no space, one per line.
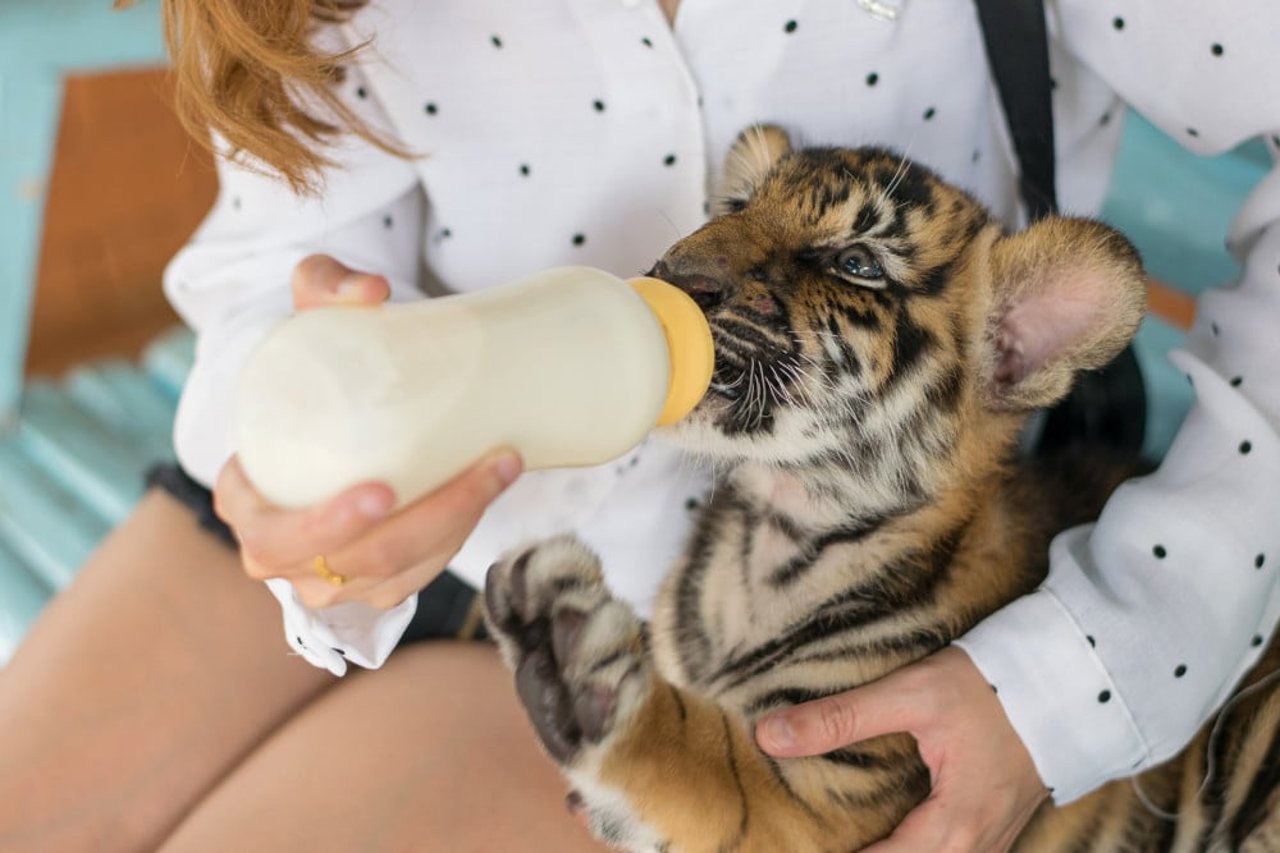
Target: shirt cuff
(352,631)
(1056,692)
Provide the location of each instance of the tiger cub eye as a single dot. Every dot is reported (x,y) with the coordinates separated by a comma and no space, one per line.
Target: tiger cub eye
(858,262)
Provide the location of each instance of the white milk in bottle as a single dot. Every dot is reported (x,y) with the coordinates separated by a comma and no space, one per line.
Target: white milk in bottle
(572,366)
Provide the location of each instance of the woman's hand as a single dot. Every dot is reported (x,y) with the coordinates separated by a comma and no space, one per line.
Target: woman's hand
(985,786)
(383,556)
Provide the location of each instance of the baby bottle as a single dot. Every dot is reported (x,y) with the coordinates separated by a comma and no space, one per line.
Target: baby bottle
(572,366)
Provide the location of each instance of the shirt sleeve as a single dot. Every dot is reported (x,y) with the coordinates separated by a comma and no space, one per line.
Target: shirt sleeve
(1150,617)
(231,284)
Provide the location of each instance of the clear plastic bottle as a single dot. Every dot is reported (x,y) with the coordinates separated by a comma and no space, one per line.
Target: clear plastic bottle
(572,366)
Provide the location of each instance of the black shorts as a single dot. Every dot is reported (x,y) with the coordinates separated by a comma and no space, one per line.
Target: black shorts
(448,607)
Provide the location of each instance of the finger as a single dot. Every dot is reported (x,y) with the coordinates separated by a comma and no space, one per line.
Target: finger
(273,538)
(895,703)
(412,546)
(320,280)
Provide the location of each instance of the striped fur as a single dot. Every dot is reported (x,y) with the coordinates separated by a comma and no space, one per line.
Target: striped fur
(880,341)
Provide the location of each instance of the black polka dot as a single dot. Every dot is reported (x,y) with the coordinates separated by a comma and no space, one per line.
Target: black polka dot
(1118,23)
(1191,131)
(1213,327)
(691,504)
(791,26)
(1104,696)
(1275,140)
(361,93)
(445,233)
(1180,670)
(1236,380)
(579,239)
(646,41)
(1259,560)
(430,109)
(873,78)
(338,650)
(387,222)
(598,106)
(1160,552)
(1216,50)
(995,689)
(1256,641)
(496,41)
(300,643)
(1093,644)
(235,202)
(1245,447)
(977,155)
(669,160)
(524,169)
(1105,120)
(930,113)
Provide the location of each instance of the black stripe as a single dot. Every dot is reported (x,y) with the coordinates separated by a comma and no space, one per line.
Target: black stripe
(910,342)
(908,581)
(781,779)
(1253,810)
(811,552)
(1212,800)
(861,317)
(935,281)
(679,700)
(788,696)
(907,184)
(867,219)
(912,645)
(857,758)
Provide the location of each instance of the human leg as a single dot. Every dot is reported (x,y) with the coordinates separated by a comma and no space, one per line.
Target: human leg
(142,684)
(430,753)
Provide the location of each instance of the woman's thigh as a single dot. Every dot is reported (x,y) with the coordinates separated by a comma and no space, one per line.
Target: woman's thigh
(141,685)
(430,753)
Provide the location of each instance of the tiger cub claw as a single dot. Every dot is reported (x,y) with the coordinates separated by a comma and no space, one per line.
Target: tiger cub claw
(580,657)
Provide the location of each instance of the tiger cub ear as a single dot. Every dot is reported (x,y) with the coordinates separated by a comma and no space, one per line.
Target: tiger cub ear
(1068,295)
(750,158)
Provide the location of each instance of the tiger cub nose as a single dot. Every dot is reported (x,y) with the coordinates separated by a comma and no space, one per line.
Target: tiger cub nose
(707,291)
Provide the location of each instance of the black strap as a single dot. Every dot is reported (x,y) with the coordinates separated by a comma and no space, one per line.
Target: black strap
(1107,406)
(1017,43)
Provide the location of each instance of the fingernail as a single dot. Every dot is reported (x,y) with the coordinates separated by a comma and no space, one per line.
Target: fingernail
(374,504)
(507,466)
(779,732)
(351,288)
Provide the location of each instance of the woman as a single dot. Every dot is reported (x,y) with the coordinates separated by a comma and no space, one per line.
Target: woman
(150,705)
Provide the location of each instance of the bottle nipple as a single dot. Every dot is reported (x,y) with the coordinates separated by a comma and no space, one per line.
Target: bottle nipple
(688,342)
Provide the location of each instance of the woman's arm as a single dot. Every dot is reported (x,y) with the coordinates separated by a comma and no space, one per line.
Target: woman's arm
(1149,618)
(232,284)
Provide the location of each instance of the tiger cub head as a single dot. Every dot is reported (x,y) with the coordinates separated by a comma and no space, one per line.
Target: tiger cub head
(873,319)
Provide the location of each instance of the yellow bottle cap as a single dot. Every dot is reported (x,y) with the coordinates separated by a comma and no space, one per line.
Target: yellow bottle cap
(688,340)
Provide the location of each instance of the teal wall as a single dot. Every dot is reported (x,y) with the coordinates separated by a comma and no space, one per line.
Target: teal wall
(40,41)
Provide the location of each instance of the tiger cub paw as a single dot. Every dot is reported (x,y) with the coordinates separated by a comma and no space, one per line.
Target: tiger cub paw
(580,657)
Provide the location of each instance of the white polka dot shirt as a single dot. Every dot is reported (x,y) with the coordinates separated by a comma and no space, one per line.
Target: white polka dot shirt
(588,132)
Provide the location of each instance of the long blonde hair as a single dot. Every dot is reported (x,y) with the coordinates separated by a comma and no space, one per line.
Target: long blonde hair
(241,69)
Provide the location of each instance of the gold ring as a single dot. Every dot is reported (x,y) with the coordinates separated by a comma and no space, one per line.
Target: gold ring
(321,565)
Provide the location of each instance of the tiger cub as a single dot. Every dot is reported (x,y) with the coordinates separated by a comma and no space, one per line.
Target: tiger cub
(880,340)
